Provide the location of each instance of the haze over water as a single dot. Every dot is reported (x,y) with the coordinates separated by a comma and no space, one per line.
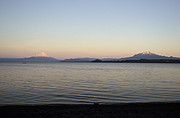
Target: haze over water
(75,83)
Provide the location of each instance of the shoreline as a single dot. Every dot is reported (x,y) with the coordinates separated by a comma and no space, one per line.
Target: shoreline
(124,110)
(95,103)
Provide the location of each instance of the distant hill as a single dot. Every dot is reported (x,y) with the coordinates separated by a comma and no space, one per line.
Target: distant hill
(40,59)
(11,59)
(78,60)
(86,59)
(140,61)
(147,55)
(30,59)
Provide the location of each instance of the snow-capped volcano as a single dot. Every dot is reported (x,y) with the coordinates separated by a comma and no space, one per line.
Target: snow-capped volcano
(42,57)
(42,54)
(147,55)
(147,52)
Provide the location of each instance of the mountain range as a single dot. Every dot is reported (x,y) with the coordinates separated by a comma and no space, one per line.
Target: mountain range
(147,55)
(44,58)
(30,59)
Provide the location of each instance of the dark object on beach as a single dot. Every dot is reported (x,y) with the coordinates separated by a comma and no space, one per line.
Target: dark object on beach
(131,110)
(96,103)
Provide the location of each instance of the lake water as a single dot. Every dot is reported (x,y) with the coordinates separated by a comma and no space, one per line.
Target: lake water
(78,83)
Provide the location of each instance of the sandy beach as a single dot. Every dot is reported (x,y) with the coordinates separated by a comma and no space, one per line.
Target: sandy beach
(128,110)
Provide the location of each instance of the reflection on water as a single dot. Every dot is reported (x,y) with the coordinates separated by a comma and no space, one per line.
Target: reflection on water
(47,83)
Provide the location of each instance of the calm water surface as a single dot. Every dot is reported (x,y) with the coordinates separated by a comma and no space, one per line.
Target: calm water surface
(74,83)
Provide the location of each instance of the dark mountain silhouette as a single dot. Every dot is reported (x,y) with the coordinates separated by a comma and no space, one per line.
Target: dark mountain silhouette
(140,61)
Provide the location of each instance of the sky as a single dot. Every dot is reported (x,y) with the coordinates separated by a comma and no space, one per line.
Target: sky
(89,28)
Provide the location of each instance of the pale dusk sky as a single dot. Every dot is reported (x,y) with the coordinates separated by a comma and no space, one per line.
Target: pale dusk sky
(89,28)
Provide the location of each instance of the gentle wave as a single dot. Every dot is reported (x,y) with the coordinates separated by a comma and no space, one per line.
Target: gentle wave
(74,83)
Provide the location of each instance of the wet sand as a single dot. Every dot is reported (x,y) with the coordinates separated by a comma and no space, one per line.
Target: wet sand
(130,110)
